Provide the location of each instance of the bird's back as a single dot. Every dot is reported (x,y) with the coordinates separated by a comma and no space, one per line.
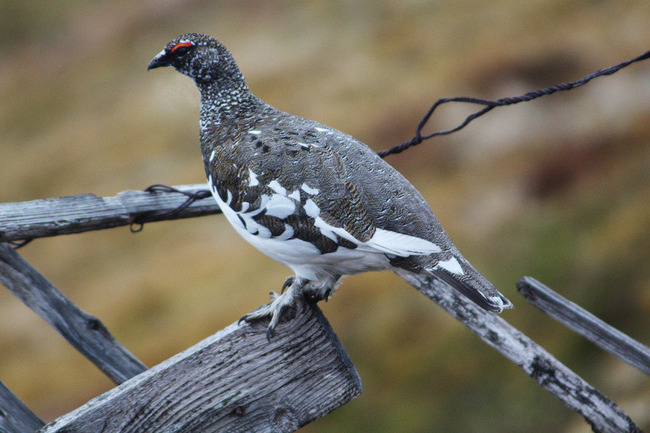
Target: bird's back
(351,185)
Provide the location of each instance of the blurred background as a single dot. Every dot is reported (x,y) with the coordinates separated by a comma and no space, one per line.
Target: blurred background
(558,189)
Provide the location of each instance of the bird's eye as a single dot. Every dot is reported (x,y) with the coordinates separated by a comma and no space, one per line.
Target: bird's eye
(181,48)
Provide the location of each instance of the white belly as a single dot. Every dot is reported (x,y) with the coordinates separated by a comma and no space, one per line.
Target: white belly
(302,257)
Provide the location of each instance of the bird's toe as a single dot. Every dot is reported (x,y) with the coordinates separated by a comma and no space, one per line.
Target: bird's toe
(274,310)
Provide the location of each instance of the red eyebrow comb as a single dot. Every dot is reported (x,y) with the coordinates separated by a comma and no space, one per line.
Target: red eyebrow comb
(181,44)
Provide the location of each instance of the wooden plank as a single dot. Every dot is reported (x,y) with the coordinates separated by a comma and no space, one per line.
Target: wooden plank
(586,324)
(15,417)
(602,414)
(85,212)
(83,331)
(233,381)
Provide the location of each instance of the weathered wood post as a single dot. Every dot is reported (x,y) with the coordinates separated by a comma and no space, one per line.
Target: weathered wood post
(233,381)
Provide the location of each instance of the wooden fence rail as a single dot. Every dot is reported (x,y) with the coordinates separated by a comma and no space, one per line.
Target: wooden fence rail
(558,379)
(84,332)
(236,380)
(86,212)
(586,324)
(15,417)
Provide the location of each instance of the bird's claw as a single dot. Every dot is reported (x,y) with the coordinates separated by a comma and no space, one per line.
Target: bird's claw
(286,284)
(274,309)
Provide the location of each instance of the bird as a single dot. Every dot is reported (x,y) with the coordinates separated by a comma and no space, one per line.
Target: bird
(310,196)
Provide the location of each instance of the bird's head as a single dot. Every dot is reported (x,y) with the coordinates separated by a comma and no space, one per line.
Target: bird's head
(200,57)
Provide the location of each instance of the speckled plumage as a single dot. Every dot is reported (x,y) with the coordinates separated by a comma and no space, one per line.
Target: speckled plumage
(310,196)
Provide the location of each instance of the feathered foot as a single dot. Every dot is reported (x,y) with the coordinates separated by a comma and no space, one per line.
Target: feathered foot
(293,290)
(278,305)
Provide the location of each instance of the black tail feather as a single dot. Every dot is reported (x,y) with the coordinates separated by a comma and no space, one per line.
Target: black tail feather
(473,285)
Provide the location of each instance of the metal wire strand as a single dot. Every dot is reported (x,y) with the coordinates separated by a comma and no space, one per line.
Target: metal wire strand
(489,104)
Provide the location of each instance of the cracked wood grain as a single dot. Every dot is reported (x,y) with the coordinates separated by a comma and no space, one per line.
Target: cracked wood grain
(233,381)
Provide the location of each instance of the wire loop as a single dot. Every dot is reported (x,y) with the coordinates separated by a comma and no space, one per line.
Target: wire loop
(489,104)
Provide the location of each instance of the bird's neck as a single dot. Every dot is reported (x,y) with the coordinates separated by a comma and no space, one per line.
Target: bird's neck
(223,101)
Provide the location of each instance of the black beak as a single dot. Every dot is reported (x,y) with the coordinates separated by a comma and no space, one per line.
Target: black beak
(162,59)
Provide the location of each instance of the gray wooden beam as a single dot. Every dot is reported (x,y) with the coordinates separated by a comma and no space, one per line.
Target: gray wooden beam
(586,324)
(602,414)
(233,381)
(85,212)
(15,417)
(83,331)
